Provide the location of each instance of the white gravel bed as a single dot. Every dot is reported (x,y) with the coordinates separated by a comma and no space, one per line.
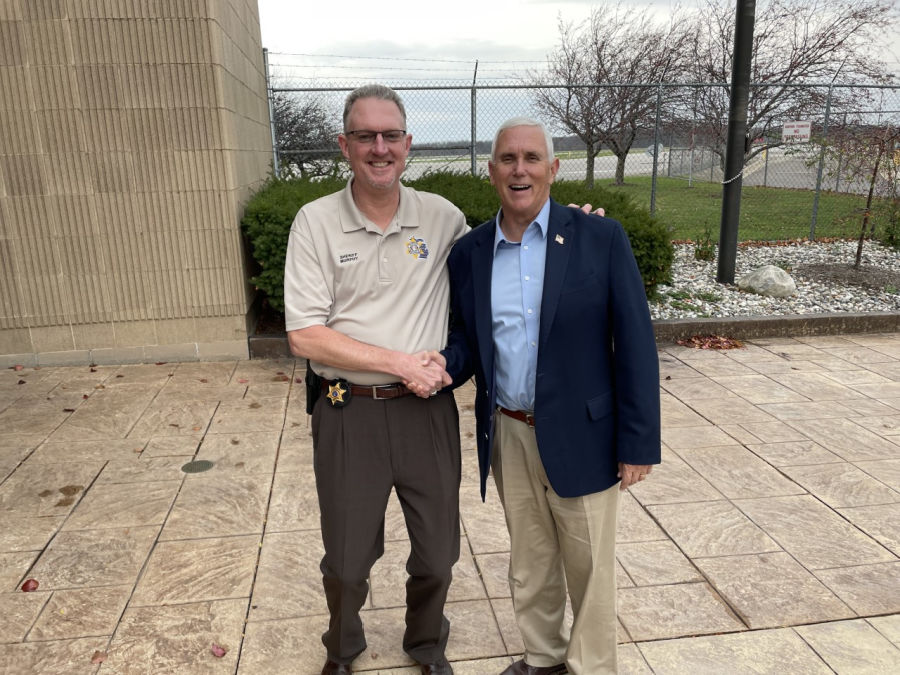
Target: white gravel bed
(695,293)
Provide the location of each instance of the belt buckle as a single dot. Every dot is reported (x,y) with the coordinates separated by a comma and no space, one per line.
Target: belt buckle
(529,419)
(379,387)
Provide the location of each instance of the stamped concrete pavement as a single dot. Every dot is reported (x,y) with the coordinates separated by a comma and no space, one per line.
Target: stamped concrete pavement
(766,542)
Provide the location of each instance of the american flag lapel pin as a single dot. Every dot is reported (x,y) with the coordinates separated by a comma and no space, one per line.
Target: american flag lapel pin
(559,239)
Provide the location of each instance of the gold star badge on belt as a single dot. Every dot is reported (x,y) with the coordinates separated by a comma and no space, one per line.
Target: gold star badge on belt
(336,394)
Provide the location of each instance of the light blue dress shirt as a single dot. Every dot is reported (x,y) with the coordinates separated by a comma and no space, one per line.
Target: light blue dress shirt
(517,285)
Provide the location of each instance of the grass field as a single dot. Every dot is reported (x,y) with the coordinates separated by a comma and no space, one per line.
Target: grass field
(767,214)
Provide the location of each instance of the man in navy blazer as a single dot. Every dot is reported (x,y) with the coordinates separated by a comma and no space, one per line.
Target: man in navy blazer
(550,314)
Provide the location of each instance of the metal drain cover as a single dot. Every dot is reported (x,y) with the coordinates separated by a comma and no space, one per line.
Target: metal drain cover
(198,466)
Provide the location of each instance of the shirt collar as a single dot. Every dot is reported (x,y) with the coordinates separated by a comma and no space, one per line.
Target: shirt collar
(542,220)
(354,219)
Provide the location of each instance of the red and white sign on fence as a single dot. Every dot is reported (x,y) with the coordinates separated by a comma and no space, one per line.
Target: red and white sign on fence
(795,132)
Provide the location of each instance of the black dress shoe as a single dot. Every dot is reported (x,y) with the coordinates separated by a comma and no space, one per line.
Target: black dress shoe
(442,667)
(332,668)
(522,668)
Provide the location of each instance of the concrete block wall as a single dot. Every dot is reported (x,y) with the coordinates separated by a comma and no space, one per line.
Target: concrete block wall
(131,134)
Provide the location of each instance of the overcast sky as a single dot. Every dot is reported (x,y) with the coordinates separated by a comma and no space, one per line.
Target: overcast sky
(504,35)
(421,40)
(408,43)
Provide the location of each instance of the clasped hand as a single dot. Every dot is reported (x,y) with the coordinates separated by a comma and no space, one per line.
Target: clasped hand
(428,375)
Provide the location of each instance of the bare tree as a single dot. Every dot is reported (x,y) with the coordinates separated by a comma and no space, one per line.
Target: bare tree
(866,157)
(795,43)
(617,45)
(306,132)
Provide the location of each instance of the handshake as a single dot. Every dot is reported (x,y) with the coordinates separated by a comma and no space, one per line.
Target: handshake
(425,373)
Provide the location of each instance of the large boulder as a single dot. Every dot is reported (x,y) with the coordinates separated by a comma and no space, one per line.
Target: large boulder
(768,280)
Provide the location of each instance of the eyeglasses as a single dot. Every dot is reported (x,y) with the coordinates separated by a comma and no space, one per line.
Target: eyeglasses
(367,137)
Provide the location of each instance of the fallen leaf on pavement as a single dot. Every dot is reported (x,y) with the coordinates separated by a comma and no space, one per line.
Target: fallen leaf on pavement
(18,367)
(710,342)
(218,651)
(98,657)
(30,585)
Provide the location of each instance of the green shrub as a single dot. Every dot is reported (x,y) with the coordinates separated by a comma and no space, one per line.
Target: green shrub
(705,248)
(889,232)
(475,196)
(650,240)
(267,224)
(270,212)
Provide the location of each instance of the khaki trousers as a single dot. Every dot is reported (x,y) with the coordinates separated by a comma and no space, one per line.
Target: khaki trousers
(557,543)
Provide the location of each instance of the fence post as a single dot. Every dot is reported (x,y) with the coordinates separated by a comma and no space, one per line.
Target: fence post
(837,178)
(655,150)
(737,134)
(275,164)
(815,208)
(693,134)
(669,164)
(474,164)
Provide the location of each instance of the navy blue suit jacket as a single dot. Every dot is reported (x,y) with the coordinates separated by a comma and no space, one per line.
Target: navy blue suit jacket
(597,386)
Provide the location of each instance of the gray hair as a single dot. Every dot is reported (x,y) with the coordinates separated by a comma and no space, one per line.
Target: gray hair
(523,122)
(378,91)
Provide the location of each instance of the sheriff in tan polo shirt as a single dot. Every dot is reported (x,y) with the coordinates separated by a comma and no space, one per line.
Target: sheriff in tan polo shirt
(343,272)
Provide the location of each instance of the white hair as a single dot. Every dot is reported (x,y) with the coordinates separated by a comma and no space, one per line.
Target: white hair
(523,122)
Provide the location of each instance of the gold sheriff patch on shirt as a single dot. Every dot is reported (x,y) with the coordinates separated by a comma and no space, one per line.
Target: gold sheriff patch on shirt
(417,248)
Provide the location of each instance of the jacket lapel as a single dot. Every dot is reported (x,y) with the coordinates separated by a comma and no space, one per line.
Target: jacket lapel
(560,239)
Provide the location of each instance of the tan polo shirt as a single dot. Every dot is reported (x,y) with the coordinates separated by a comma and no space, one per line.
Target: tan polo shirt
(389,289)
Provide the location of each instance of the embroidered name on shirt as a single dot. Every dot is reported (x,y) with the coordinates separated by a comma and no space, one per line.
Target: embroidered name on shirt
(348,257)
(417,248)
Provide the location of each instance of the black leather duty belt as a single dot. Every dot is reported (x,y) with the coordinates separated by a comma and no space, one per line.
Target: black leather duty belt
(528,418)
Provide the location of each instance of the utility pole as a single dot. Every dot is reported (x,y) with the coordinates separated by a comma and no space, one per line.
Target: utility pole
(737,135)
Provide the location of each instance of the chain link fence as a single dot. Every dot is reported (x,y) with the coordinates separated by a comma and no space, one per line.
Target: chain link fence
(809,161)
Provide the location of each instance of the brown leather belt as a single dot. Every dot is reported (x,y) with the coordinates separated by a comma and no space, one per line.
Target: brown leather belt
(528,418)
(376,391)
